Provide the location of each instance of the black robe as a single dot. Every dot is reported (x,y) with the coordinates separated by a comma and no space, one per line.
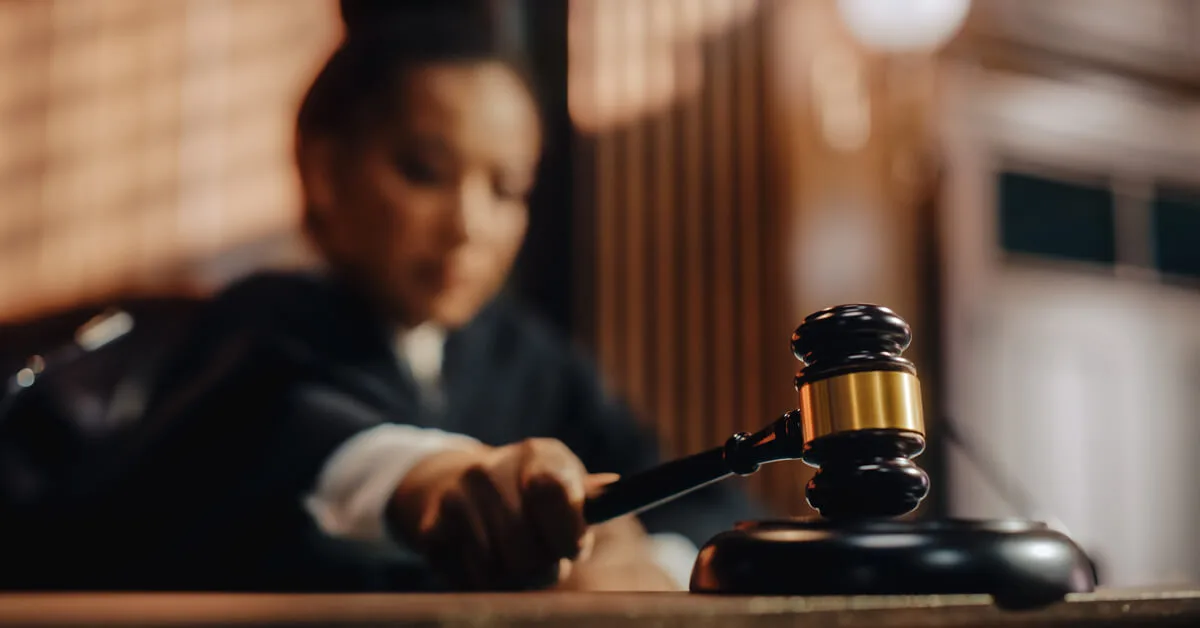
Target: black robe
(279,371)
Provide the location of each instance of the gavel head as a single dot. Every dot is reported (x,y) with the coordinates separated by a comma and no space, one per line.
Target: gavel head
(860,408)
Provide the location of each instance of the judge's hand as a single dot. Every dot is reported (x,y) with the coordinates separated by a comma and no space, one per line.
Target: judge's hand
(497,518)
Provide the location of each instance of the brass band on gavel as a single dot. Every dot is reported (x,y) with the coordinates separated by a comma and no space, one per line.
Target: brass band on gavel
(867,400)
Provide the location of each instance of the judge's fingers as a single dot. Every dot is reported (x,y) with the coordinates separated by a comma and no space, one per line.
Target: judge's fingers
(458,545)
(553,487)
(596,481)
(516,557)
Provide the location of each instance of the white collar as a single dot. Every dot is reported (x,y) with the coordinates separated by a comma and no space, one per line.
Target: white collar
(422,348)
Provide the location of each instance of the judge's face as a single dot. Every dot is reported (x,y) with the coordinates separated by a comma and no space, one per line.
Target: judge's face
(428,210)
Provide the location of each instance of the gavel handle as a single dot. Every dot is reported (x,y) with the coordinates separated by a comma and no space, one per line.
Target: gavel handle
(643,491)
(740,455)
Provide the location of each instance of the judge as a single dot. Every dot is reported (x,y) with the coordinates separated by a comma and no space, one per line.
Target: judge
(394,421)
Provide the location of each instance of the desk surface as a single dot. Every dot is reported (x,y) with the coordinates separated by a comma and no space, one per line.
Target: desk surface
(615,610)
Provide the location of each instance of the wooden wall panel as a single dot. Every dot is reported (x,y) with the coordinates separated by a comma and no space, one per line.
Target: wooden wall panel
(688,319)
(727,213)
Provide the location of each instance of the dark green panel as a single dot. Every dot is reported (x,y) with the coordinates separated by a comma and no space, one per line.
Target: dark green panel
(1056,219)
(1177,232)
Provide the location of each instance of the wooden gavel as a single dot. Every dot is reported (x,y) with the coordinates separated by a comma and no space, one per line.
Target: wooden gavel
(858,421)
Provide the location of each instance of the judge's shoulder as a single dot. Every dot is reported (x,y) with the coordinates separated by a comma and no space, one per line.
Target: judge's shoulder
(258,310)
(311,303)
(276,303)
(265,295)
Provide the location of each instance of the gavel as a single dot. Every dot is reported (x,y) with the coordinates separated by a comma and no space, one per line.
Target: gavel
(859,422)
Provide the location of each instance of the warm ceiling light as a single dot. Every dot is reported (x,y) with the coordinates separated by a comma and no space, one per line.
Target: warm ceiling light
(903,25)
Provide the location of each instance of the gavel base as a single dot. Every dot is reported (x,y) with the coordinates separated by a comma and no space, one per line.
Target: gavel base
(1021,564)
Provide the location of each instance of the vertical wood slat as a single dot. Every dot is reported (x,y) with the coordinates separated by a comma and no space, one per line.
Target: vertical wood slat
(666,374)
(688,260)
(607,219)
(723,299)
(635,210)
(695,340)
(748,112)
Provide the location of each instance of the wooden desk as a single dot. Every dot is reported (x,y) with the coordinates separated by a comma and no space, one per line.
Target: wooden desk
(1115,608)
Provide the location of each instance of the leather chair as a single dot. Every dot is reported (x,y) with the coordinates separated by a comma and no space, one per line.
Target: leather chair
(54,433)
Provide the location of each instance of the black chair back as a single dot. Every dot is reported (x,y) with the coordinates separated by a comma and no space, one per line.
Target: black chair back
(52,432)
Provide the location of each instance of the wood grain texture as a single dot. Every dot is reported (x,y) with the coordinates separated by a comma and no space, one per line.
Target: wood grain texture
(683,259)
(615,610)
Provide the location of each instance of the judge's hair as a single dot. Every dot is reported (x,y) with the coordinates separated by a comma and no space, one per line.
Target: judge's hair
(383,39)
(356,88)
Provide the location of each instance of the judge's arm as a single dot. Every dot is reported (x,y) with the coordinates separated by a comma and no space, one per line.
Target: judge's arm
(471,511)
(482,517)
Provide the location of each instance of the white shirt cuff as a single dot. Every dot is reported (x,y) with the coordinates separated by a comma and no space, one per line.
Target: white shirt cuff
(361,476)
(676,555)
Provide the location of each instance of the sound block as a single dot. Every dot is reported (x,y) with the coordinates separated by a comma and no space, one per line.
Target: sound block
(1021,564)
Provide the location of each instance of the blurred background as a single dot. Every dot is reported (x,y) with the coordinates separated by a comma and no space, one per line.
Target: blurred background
(1019,179)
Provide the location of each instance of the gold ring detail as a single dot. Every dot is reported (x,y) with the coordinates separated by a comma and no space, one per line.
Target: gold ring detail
(867,400)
